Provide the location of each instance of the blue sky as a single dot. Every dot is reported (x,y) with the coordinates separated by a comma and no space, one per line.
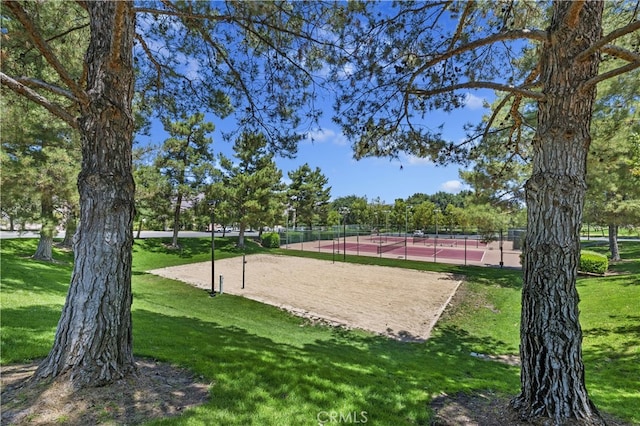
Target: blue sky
(370,177)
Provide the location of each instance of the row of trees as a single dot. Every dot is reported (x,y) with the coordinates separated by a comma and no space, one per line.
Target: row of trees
(178,186)
(181,177)
(390,65)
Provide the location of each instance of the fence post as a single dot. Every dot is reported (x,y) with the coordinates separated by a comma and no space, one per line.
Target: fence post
(501,250)
(465,250)
(435,249)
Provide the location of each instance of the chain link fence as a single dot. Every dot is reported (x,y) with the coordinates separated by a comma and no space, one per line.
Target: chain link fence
(486,248)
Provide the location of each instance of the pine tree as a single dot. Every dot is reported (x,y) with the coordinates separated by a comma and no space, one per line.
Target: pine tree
(251,190)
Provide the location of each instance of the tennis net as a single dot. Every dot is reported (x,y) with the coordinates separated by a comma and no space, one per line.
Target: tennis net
(392,246)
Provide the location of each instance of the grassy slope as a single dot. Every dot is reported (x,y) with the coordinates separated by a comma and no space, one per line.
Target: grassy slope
(267,367)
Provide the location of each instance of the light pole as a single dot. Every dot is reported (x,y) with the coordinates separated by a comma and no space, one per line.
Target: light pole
(386,224)
(289,210)
(406,229)
(344,211)
(212,203)
(436,212)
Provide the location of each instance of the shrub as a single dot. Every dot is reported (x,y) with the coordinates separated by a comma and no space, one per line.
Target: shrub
(271,240)
(593,262)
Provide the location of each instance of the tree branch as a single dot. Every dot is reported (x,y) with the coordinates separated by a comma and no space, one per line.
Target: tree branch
(34,82)
(153,60)
(35,36)
(480,85)
(180,14)
(607,75)
(509,35)
(34,96)
(495,113)
(69,31)
(621,53)
(461,23)
(633,26)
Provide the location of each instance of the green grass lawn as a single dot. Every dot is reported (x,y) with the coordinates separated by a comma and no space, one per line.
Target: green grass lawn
(270,368)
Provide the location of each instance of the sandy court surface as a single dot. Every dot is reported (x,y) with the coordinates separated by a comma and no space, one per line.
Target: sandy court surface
(399,303)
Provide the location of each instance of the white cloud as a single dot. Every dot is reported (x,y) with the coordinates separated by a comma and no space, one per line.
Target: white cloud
(452,186)
(327,135)
(412,160)
(472,101)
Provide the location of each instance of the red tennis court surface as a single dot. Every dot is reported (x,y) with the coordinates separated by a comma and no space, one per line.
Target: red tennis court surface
(446,250)
(412,250)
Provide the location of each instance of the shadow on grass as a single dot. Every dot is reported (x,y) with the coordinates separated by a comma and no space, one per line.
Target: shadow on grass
(27,332)
(20,272)
(612,370)
(259,381)
(629,330)
(154,253)
(189,247)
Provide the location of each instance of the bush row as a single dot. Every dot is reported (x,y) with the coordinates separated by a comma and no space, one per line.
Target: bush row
(593,262)
(271,240)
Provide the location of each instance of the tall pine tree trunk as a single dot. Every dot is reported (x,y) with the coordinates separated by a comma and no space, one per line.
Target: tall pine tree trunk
(176,221)
(552,372)
(44,251)
(93,341)
(613,242)
(70,227)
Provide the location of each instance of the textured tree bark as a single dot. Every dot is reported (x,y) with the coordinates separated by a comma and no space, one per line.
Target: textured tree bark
(552,372)
(44,251)
(613,242)
(70,227)
(93,342)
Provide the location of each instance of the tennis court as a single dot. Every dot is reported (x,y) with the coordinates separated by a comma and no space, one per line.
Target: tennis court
(398,250)
(400,303)
(448,250)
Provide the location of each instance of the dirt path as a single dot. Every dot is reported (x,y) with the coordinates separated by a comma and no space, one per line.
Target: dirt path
(399,303)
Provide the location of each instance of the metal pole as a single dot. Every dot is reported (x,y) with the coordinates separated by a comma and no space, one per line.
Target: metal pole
(501,250)
(344,239)
(465,251)
(213,249)
(406,229)
(212,203)
(221,282)
(435,246)
(244,262)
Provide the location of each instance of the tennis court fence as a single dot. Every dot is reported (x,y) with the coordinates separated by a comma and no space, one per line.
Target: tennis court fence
(486,248)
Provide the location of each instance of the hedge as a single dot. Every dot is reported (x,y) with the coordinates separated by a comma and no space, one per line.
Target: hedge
(271,240)
(593,262)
